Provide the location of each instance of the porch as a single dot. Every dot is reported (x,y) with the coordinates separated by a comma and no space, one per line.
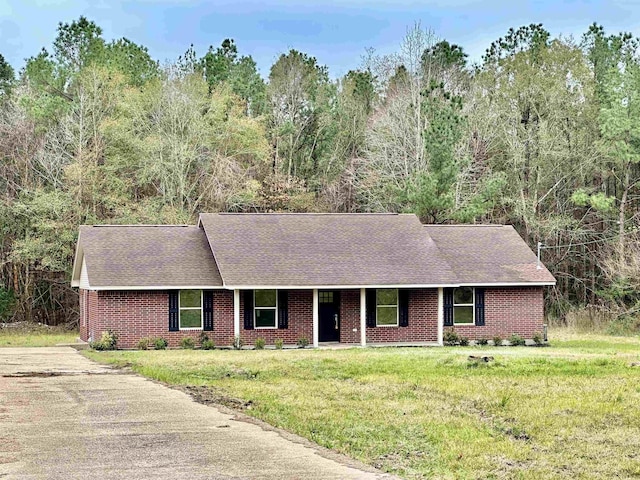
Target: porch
(337,318)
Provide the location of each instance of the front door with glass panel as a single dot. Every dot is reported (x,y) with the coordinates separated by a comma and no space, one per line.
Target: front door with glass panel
(328,316)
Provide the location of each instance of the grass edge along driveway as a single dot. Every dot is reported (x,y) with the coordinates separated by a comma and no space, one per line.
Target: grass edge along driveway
(568,411)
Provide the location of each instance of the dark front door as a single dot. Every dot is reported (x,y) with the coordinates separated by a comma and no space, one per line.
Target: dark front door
(328,316)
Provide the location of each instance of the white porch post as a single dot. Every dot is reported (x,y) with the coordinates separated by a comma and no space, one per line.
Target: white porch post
(440,315)
(236,313)
(363,317)
(315,317)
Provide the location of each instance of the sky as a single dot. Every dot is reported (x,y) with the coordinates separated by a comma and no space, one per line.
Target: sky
(336,32)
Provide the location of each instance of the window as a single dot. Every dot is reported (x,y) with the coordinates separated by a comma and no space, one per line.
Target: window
(190,306)
(387,307)
(463,306)
(326,297)
(265,308)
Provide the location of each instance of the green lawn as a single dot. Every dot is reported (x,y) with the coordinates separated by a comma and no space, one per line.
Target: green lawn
(567,411)
(28,335)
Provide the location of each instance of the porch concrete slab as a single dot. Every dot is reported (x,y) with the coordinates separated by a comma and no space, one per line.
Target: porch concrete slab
(338,346)
(63,416)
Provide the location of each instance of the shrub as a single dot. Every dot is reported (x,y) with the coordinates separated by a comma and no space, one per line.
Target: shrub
(623,326)
(450,337)
(237,343)
(464,342)
(260,343)
(208,344)
(187,343)
(279,343)
(516,340)
(143,344)
(497,340)
(538,339)
(203,337)
(160,343)
(7,301)
(482,341)
(108,341)
(303,342)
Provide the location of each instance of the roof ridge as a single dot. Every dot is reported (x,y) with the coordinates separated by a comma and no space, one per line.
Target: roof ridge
(305,213)
(139,225)
(466,225)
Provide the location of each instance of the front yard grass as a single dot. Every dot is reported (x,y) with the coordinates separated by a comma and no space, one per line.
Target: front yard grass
(34,335)
(567,411)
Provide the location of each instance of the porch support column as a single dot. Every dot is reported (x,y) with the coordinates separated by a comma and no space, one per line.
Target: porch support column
(440,316)
(363,317)
(315,318)
(236,313)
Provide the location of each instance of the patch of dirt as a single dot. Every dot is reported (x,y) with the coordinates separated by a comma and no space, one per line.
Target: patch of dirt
(209,395)
(53,373)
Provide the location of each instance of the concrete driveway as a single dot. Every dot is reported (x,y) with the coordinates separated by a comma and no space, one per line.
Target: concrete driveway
(63,416)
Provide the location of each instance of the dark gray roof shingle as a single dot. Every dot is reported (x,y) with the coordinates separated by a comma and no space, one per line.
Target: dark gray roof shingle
(305,250)
(324,250)
(146,256)
(488,254)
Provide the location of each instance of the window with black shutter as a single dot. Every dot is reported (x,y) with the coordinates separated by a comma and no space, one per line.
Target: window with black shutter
(370,304)
(248,309)
(479,295)
(463,306)
(207,310)
(173,311)
(283,309)
(403,307)
(447,295)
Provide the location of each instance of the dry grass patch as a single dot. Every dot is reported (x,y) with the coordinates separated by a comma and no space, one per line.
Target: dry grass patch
(26,334)
(559,412)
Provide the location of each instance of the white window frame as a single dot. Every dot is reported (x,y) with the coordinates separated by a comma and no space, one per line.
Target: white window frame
(389,306)
(472,305)
(265,308)
(180,308)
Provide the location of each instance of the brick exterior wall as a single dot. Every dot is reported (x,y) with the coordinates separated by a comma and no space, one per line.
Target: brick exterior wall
(423,321)
(350,316)
(508,310)
(300,321)
(133,315)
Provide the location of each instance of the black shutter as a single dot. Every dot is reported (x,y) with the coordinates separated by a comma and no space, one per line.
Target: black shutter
(403,307)
(371,307)
(248,309)
(173,311)
(283,309)
(448,307)
(480,306)
(207,310)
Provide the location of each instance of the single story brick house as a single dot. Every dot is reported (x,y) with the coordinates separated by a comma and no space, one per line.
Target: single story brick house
(348,278)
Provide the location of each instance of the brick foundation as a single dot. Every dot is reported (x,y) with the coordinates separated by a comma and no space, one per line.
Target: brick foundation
(134,315)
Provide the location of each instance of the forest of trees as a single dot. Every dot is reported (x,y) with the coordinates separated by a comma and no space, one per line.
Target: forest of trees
(543,133)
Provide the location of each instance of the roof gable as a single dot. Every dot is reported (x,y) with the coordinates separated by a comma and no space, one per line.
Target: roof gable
(147,256)
(303,250)
(488,254)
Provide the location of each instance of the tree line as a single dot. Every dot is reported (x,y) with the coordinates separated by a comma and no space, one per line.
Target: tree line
(542,133)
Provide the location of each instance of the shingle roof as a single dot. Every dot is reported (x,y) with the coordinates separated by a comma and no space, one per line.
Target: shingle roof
(488,254)
(324,250)
(147,256)
(305,250)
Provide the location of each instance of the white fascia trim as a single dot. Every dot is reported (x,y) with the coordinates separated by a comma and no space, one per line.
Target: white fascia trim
(75,283)
(331,287)
(507,284)
(159,287)
(345,287)
(311,287)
